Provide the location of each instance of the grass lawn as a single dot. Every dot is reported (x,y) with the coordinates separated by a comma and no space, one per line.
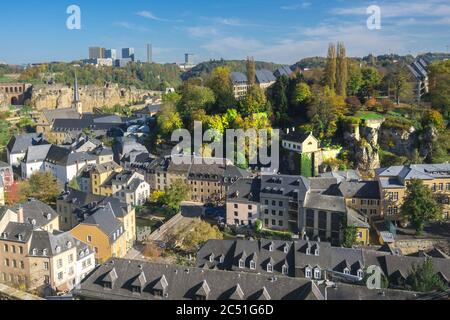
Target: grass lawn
(369,115)
(5,79)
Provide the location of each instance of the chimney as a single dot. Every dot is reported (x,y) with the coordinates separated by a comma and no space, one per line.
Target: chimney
(20,218)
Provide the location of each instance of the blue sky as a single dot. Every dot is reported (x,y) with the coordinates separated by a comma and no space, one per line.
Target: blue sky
(282,31)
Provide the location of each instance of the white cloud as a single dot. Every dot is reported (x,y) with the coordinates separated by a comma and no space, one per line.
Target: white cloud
(202,31)
(149,15)
(231,22)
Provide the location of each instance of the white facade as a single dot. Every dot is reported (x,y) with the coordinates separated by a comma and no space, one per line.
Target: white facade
(85,264)
(131,193)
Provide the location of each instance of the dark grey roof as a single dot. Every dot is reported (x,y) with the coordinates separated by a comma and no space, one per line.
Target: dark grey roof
(319,201)
(265,76)
(349,175)
(20,143)
(416,171)
(283,71)
(37,211)
(48,244)
(245,190)
(17,232)
(358,190)
(79,198)
(105,219)
(183,283)
(238,78)
(282,186)
(296,136)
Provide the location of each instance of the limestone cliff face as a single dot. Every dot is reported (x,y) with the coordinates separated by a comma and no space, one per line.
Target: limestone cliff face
(362,143)
(3,100)
(397,140)
(60,96)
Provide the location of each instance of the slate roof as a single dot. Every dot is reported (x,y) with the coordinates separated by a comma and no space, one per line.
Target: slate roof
(297,136)
(20,143)
(282,186)
(36,210)
(357,190)
(265,76)
(238,78)
(283,71)
(325,202)
(416,171)
(185,283)
(48,244)
(104,218)
(17,232)
(56,155)
(65,113)
(245,190)
(350,175)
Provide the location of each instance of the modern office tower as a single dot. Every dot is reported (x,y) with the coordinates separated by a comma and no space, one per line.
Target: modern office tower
(111,54)
(128,53)
(188,59)
(96,53)
(149,53)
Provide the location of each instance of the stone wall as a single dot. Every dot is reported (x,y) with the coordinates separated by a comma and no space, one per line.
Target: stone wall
(60,96)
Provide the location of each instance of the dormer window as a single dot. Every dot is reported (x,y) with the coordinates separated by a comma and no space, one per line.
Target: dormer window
(271,247)
(317,251)
(308,273)
(286,248)
(252,265)
(346,271)
(107,285)
(360,274)
(49,216)
(58,249)
(269,268)
(69,244)
(308,251)
(222,259)
(136,289)
(317,274)
(211,258)
(285,270)
(35,252)
(45,252)
(241,264)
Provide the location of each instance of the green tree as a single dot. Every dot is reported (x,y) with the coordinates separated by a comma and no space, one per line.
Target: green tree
(175,195)
(194,98)
(330,67)
(198,234)
(220,83)
(350,236)
(279,99)
(355,79)
(440,87)
(41,186)
(420,206)
(168,118)
(342,70)
(251,71)
(370,80)
(423,278)
(254,102)
(398,81)
(302,93)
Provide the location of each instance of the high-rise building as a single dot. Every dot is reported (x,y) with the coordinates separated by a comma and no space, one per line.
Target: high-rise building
(111,54)
(149,53)
(96,53)
(188,59)
(128,53)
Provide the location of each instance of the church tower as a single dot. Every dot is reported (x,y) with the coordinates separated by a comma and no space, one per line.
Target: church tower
(76,103)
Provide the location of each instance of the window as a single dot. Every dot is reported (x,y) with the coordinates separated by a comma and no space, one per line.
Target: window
(252,265)
(241,264)
(236,206)
(280,223)
(393,196)
(60,276)
(22,265)
(285,270)
(21,250)
(6,262)
(346,271)
(281,213)
(280,203)
(5,248)
(71,258)
(250,207)
(45,265)
(308,273)
(360,274)
(89,239)
(59,263)
(317,274)
(13,249)
(269,268)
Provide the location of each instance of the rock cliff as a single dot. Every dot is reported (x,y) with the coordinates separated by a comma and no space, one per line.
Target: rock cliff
(60,96)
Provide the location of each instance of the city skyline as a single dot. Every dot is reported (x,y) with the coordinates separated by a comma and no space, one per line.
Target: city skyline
(279,31)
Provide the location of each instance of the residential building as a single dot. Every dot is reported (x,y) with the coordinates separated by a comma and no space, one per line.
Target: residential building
(35,259)
(18,146)
(6,174)
(38,214)
(309,259)
(265,78)
(283,71)
(103,231)
(61,162)
(121,279)
(100,178)
(240,85)
(131,188)
(419,78)
(74,206)
(394,180)
(243,202)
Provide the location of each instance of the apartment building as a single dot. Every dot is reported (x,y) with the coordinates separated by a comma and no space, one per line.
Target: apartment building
(243,202)
(130,188)
(33,258)
(393,182)
(102,230)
